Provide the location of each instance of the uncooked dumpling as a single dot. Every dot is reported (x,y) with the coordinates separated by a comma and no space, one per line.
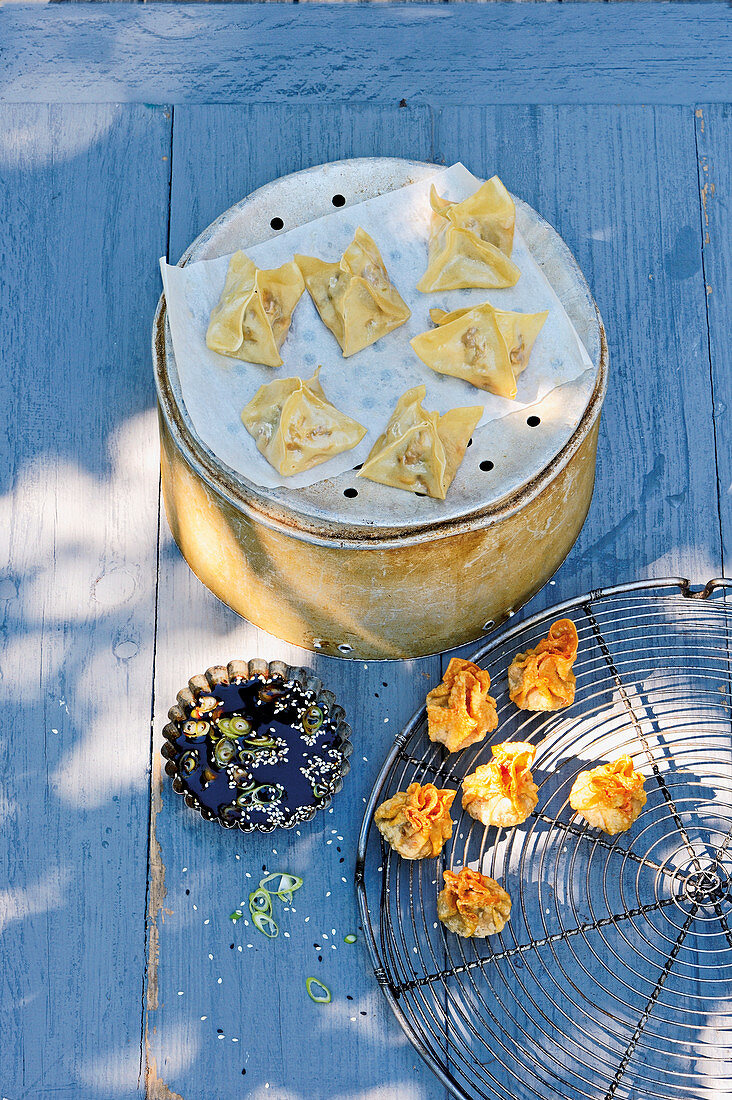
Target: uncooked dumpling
(296,427)
(542,677)
(610,796)
(471,904)
(253,314)
(354,297)
(460,710)
(487,347)
(416,822)
(503,792)
(419,450)
(471,241)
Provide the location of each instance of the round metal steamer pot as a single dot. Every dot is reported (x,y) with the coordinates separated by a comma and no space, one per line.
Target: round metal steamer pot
(385,574)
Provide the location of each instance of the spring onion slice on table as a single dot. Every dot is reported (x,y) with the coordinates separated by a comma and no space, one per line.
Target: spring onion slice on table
(264,924)
(260,901)
(318,992)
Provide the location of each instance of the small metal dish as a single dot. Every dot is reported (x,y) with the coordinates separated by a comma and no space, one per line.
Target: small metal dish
(243,671)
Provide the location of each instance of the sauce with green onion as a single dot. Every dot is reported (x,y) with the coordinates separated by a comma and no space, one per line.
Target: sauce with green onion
(259,753)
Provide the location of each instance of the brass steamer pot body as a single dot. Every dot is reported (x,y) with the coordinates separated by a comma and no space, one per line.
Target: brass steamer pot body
(342,576)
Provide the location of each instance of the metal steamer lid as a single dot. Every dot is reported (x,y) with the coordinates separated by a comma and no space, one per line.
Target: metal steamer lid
(503,468)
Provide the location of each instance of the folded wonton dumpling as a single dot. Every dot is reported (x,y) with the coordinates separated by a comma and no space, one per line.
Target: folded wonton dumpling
(420,450)
(486,346)
(471,241)
(542,678)
(416,822)
(610,796)
(296,427)
(354,297)
(471,904)
(460,710)
(253,314)
(503,792)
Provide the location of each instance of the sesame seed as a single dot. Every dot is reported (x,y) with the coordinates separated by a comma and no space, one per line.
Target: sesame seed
(180,992)
(210,956)
(204,1017)
(220,980)
(207,921)
(184,870)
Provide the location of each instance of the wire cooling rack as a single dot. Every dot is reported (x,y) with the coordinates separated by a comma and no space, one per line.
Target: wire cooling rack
(613,978)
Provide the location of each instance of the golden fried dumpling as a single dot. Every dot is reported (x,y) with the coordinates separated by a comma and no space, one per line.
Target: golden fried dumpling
(416,822)
(471,241)
(253,314)
(487,347)
(542,678)
(459,710)
(354,297)
(296,427)
(502,792)
(610,796)
(471,904)
(419,450)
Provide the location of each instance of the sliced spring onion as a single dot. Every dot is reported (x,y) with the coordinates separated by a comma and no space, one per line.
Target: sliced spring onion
(284,884)
(260,901)
(264,924)
(318,992)
(350,938)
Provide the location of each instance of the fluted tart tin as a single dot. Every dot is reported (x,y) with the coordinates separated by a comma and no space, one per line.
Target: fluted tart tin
(257,745)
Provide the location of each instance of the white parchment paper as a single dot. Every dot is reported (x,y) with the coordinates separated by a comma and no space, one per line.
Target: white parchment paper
(367,385)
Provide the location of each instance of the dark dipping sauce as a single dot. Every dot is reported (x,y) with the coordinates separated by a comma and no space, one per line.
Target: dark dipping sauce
(259,753)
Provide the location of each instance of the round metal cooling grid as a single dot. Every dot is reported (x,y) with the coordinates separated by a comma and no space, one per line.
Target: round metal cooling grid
(615,970)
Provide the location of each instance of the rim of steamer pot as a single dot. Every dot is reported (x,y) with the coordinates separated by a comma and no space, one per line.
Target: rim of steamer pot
(249,498)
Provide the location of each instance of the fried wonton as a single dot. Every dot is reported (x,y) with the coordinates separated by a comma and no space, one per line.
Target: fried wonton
(502,792)
(416,822)
(459,710)
(542,678)
(296,427)
(471,241)
(471,904)
(253,314)
(354,297)
(487,347)
(610,796)
(419,450)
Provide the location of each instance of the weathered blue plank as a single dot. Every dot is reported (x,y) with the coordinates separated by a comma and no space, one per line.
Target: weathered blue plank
(83,193)
(268,1026)
(485,54)
(714,141)
(620,185)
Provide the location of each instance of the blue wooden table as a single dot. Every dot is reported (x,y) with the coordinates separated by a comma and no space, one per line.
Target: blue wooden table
(124,130)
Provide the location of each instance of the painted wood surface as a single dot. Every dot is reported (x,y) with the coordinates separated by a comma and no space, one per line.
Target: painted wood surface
(503,53)
(84,196)
(714,143)
(107,971)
